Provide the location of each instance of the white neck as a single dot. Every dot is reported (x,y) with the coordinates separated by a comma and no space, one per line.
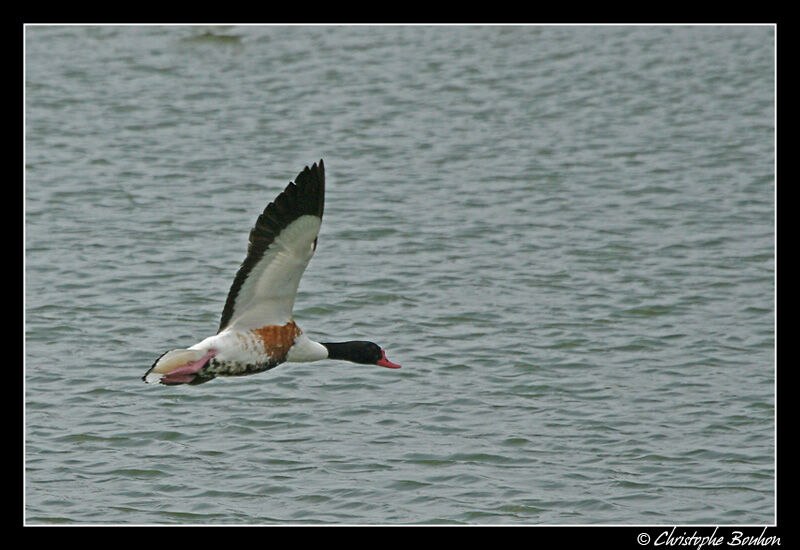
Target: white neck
(305,350)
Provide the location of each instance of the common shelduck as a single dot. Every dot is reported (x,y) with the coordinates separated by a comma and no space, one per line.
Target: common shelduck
(257,331)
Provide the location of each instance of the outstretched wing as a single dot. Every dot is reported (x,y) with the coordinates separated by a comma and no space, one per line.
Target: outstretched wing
(281,245)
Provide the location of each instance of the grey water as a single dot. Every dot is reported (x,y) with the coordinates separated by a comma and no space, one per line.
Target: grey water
(565,234)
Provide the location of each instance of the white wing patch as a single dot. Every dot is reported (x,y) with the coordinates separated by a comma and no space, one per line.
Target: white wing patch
(267,295)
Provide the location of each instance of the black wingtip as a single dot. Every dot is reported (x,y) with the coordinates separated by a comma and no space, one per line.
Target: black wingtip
(311,184)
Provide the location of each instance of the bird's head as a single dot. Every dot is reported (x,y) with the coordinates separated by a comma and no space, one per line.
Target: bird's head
(365,353)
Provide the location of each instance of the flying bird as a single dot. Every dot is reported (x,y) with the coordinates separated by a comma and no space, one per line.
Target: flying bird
(257,331)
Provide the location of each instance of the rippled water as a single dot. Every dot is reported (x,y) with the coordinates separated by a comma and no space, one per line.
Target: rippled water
(564,234)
